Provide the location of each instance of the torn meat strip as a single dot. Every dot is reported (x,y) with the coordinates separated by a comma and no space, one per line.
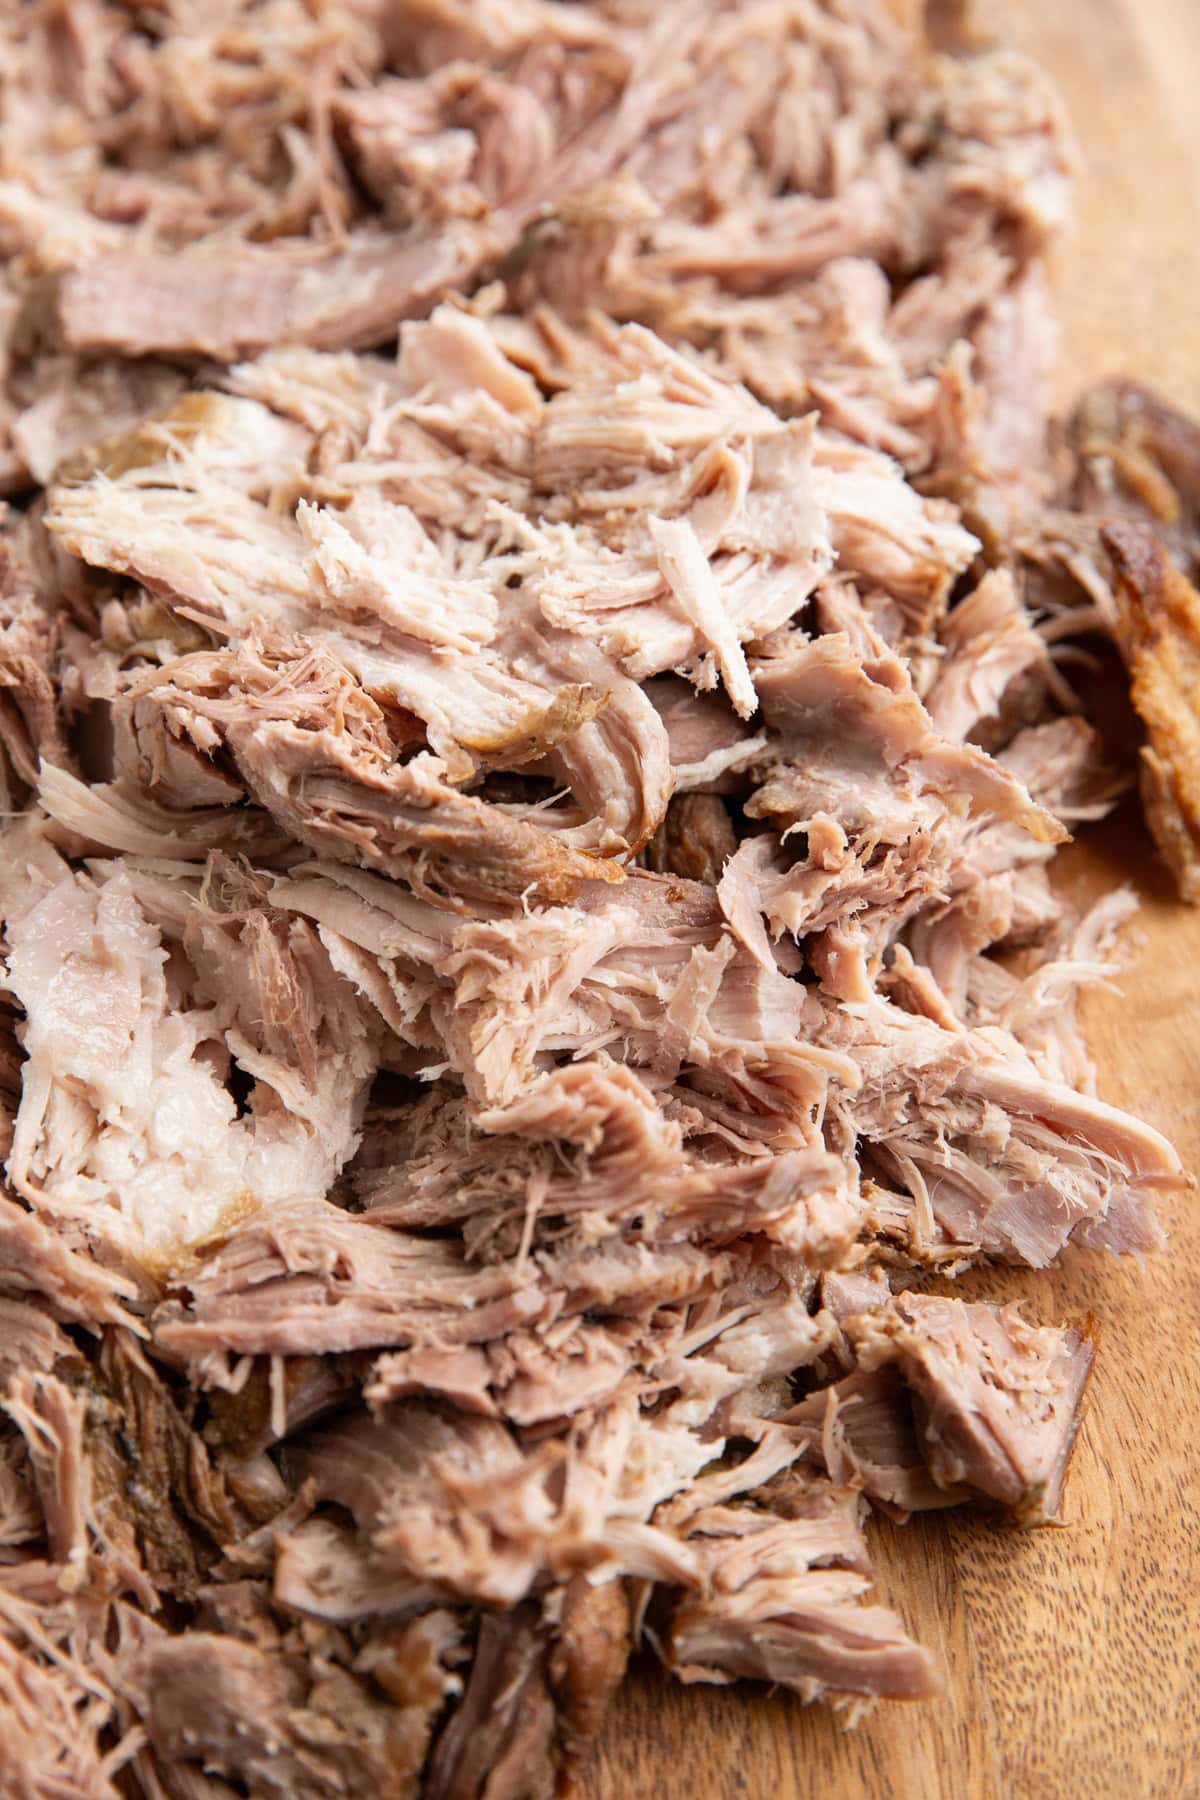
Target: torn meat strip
(501,1735)
(996,1155)
(1010,1433)
(780,1602)
(54,1718)
(861,1430)
(307,1277)
(989,1404)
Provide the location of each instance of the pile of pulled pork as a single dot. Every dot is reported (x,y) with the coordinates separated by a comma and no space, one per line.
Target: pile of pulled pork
(538,700)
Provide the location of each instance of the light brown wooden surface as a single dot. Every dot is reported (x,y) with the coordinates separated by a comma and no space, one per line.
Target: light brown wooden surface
(1073,1656)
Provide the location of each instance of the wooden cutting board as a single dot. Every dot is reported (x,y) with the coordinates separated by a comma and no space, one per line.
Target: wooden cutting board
(1072,1656)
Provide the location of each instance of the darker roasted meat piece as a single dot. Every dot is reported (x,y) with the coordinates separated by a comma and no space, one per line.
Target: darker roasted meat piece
(695,840)
(264,1715)
(1139,462)
(1158,631)
(500,1737)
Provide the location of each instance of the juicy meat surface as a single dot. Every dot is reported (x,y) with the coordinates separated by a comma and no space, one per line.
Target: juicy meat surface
(534,727)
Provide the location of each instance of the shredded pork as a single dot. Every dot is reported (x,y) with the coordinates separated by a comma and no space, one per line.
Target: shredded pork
(532,735)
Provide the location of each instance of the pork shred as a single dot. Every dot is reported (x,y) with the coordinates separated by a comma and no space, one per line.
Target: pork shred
(532,735)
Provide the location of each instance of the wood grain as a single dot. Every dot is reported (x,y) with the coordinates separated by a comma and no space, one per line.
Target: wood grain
(1073,1655)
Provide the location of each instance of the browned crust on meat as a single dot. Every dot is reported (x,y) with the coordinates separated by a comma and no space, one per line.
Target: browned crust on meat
(694,840)
(1159,634)
(589,1659)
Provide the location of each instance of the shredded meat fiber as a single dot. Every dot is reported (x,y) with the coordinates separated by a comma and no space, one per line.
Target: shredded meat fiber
(532,731)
